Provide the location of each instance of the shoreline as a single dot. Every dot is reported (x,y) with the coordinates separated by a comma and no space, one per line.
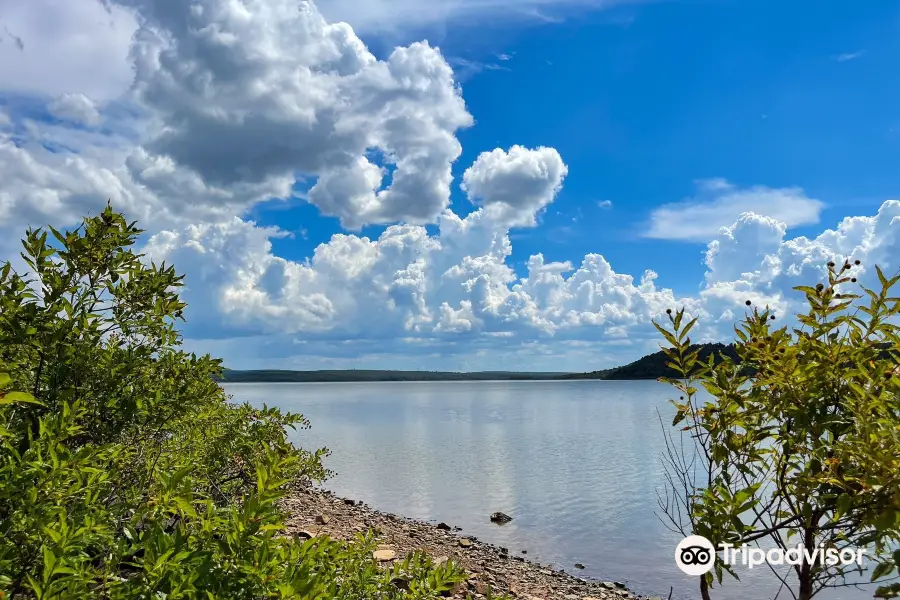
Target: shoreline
(312,512)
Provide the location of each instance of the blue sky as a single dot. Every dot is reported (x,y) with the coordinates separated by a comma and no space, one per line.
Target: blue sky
(643,99)
(661,123)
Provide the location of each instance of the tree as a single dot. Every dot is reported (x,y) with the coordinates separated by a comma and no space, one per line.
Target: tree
(125,472)
(800,442)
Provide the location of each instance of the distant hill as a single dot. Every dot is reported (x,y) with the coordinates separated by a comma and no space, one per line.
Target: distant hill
(653,365)
(648,367)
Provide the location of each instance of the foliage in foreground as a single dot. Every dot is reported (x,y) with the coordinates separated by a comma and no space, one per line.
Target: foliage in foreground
(800,442)
(124,470)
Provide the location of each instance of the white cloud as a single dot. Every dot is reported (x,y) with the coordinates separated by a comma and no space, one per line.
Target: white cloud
(719,204)
(241,100)
(257,92)
(456,291)
(67,46)
(514,186)
(849,56)
(234,103)
(404,283)
(754,260)
(40,186)
(605,203)
(76,108)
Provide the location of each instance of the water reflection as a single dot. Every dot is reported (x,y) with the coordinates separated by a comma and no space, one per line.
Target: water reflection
(576,464)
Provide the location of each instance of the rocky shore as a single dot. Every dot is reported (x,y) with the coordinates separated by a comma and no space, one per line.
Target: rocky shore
(315,512)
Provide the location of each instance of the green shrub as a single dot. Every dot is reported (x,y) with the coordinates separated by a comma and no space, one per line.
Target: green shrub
(125,472)
(800,440)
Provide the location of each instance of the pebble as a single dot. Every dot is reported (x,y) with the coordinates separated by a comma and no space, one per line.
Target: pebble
(487,566)
(384,555)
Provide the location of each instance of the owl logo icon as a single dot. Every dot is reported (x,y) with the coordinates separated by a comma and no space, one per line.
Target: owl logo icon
(695,555)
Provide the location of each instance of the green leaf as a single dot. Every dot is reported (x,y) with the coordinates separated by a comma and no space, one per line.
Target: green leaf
(669,337)
(881,278)
(844,502)
(23,397)
(882,569)
(5,380)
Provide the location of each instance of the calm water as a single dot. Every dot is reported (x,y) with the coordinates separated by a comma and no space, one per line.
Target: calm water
(575,463)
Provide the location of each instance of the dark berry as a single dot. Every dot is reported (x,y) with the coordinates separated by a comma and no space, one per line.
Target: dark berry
(853,279)
(856,262)
(668,311)
(831,264)
(748,303)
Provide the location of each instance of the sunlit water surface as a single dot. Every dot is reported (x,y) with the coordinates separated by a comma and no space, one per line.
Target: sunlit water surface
(575,463)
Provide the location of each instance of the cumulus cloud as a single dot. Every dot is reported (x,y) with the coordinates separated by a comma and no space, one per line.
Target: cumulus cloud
(66,46)
(76,108)
(233,104)
(256,92)
(244,101)
(405,283)
(455,290)
(247,102)
(753,259)
(514,186)
(719,204)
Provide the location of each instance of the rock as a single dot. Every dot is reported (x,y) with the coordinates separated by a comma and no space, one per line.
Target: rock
(322,519)
(499,517)
(524,551)
(401,583)
(504,550)
(443,526)
(579,566)
(465,542)
(349,502)
(620,585)
(441,560)
(304,534)
(384,555)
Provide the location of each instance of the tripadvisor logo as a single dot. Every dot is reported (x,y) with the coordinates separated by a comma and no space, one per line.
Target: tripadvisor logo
(696,555)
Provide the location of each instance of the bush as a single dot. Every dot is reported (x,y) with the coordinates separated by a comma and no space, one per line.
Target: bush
(125,472)
(800,440)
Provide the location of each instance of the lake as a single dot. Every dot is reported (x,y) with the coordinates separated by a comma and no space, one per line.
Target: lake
(575,463)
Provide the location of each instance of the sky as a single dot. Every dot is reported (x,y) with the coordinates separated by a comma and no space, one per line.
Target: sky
(460,184)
